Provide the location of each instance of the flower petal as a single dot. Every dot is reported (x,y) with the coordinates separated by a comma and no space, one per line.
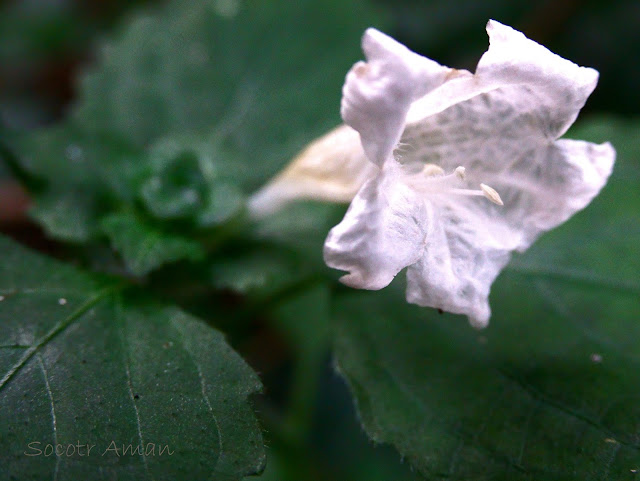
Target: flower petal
(501,124)
(382,232)
(377,94)
(500,142)
(332,168)
(557,87)
(554,89)
(540,191)
(457,269)
(551,186)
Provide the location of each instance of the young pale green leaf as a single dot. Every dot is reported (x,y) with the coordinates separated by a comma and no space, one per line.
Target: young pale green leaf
(551,389)
(145,247)
(190,179)
(122,388)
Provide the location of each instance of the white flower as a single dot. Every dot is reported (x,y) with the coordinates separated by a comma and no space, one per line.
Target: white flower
(331,168)
(438,138)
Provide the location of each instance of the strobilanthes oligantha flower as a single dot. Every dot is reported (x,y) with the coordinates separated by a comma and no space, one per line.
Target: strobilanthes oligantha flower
(462,168)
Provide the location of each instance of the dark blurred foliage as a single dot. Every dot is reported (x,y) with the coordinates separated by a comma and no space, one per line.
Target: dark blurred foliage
(44,43)
(594,33)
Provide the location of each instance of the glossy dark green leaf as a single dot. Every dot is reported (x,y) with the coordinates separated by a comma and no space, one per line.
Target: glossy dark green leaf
(84,363)
(551,389)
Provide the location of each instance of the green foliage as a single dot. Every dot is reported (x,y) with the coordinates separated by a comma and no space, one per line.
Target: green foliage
(84,361)
(144,247)
(189,109)
(550,390)
(190,180)
(260,271)
(68,215)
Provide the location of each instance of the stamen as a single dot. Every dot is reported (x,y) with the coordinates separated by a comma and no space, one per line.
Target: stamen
(467,192)
(436,175)
(491,194)
(434,182)
(431,170)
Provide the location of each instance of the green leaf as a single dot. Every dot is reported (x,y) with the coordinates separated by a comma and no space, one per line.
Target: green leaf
(551,389)
(261,80)
(282,253)
(67,214)
(308,338)
(243,83)
(191,180)
(189,108)
(145,247)
(83,362)
(301,227)
(79,175)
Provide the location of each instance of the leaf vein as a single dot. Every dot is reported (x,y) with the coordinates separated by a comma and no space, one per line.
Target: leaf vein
(202,385)
(499,456)
(55,330)
(54,423)
(147,249)
(612,457)
(526,430)
(127,363)
(567,411)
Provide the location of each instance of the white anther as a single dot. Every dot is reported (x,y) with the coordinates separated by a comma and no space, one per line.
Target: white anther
(491,194)
(431,170)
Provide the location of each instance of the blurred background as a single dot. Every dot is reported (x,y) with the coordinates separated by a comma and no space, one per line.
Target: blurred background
(46,44)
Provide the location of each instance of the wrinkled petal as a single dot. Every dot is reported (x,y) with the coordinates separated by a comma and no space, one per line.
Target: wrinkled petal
(420,209)
(553,89)
(377,94)
(332,168)
(383,231)
(557,86)
(457,268)
(541,181)
(501,124)
(475,239)
(546,188)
